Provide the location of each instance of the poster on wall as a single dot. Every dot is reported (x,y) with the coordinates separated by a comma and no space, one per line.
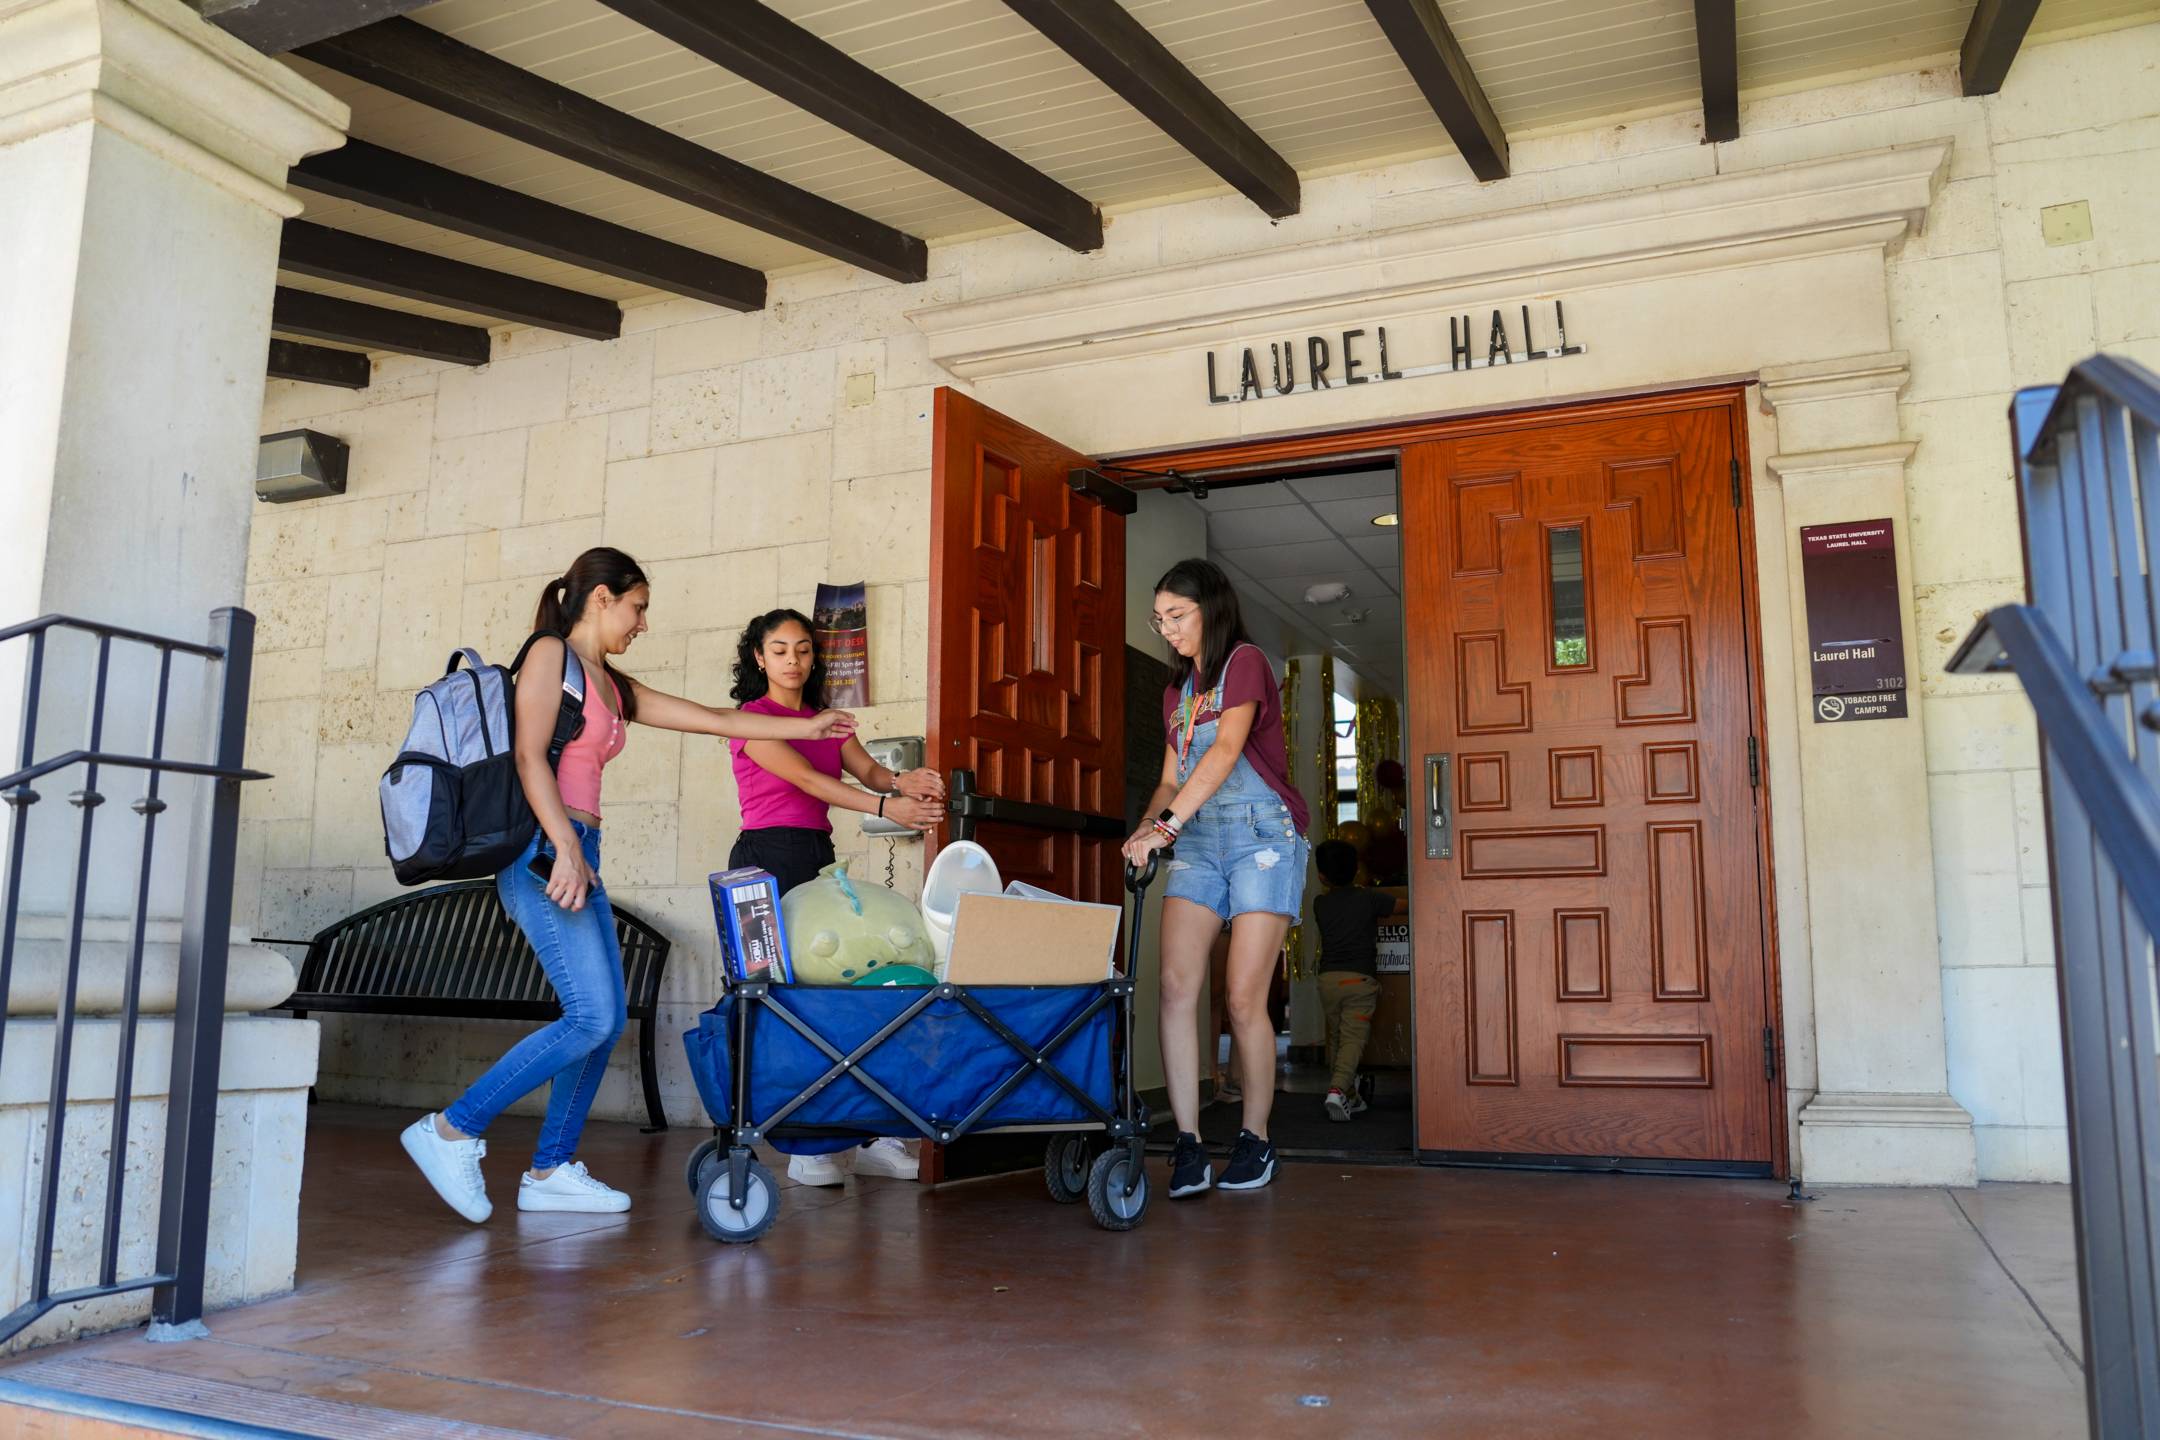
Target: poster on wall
(842,619)
(1394,949)
(1856,646)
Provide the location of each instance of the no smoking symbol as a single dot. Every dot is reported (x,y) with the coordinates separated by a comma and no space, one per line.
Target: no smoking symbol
(1830,707)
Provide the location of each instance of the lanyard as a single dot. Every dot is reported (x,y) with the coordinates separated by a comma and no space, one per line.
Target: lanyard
(1189,710)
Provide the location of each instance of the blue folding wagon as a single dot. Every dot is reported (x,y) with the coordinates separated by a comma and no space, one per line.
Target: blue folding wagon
(812,1069)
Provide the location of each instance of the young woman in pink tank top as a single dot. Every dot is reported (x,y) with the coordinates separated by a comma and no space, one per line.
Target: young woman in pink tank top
(788,789)
(554,893)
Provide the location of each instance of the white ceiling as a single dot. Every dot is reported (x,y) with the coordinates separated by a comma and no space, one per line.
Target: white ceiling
(1277,540)
(1315,78)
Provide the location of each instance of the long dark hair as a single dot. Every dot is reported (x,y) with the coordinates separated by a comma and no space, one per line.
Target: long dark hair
(750,681)
(562,605)
(1222,624)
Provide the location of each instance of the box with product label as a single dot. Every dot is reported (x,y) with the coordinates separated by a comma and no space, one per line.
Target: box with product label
(753,942)
(1025,940)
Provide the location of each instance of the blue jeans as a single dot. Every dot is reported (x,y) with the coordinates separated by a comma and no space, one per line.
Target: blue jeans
(583,960)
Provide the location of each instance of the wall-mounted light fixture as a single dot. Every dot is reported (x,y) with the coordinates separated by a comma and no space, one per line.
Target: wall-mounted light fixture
(1390,519)
(300,465)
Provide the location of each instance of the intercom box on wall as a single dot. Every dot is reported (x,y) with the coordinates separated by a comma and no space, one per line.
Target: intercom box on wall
(899,754)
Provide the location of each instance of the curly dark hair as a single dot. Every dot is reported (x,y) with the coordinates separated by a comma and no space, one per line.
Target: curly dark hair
(750,678)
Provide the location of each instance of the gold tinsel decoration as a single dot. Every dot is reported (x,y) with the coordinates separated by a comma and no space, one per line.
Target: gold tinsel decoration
(1323,827)
(1289,718)
(1379,737)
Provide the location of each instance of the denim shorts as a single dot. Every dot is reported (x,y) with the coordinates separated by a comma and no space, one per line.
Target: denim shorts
(1241,858)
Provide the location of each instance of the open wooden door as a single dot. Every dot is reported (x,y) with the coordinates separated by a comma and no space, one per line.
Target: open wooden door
(1027,673)
(1027,651)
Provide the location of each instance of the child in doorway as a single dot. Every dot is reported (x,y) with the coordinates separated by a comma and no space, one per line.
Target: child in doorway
(1349,968)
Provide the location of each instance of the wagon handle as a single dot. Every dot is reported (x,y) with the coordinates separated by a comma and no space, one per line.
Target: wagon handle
(1138,878)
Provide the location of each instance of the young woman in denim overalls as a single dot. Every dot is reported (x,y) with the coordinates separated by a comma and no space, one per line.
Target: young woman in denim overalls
(554,893)
(1226,802)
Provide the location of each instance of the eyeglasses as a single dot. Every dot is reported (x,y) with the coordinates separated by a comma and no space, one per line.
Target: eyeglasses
(1164,624)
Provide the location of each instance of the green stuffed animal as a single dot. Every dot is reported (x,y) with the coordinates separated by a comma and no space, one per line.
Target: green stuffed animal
(838,935)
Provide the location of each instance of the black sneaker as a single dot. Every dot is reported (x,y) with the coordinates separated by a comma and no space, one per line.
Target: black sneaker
(1190,1172)
(1252,1163)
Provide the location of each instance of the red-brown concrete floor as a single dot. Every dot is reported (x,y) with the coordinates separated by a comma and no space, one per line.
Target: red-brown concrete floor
(1366,1302)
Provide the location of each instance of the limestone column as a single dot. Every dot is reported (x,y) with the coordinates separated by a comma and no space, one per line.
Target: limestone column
(142,187)
(1882,1113)
(143,156)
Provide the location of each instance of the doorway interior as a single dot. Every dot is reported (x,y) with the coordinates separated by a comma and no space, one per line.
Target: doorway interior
(1316,559)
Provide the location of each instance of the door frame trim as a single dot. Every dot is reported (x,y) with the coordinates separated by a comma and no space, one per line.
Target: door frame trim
(1384,442)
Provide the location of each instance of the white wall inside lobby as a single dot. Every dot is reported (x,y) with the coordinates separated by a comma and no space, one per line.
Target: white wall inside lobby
(722,451)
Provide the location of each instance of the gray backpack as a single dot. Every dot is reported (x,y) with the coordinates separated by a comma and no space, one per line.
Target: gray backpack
(453,807)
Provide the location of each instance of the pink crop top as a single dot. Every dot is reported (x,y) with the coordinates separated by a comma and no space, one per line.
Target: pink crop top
(577,774)
(769,802)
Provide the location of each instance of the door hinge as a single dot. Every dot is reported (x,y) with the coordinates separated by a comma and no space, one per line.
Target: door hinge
(1754,763)
(1769,1053)
(1736,494)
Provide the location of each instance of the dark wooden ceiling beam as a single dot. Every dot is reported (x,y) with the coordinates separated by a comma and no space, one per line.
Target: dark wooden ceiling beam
(400,185)
(319,365)
(1119,51)
(408,59)
(775,54)
(1428,50)
(275,26)
(349,259)
(1717,51)
(325,317)
(1991,42)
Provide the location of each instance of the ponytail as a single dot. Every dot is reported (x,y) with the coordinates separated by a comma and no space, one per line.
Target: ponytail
(563,601)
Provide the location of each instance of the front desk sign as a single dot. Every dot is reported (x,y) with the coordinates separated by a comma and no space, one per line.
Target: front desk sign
(1856,646)
(1361,357)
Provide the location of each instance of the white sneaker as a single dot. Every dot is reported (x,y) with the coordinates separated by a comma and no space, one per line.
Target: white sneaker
(451,1166)
(570,1187)
(819,1169)
(887,1157)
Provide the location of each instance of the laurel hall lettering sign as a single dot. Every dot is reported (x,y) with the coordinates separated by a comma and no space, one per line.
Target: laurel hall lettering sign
(1362,356)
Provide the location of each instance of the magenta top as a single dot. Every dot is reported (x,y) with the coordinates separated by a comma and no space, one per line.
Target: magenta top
(768,801)
(577,774)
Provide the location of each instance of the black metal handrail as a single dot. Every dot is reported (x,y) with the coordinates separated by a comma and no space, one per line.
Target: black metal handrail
(198,1018)
(2088,467)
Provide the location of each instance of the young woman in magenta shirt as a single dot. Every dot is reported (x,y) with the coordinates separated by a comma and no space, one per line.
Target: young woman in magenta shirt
(554,893)
(788,789)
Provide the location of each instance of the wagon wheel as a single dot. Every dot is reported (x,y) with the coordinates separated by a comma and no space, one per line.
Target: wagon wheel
(1112,1208)
(717,1212)
(1065,1167)
(693,1170)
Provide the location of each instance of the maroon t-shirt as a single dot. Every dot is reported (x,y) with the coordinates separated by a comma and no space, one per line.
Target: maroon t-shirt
(1248,679)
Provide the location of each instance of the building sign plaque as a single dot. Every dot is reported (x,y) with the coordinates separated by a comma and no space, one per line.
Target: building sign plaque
(1515,335)
(1856,646)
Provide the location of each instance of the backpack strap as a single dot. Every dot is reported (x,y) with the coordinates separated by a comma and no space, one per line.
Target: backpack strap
(570,714)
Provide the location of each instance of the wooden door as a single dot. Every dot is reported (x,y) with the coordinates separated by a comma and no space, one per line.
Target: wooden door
(1591,975)
(1027,648)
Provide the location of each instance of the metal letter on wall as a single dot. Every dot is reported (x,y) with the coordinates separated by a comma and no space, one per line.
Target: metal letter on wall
(1856,645)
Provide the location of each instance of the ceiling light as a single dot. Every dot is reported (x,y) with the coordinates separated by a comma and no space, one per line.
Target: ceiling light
(1390,519)
(1327,592)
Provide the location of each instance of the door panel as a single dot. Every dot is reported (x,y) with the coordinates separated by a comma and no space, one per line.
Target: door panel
(1591,976)
(1027,643)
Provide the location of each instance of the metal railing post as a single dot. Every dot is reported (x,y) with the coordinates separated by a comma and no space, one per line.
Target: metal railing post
(199,1015)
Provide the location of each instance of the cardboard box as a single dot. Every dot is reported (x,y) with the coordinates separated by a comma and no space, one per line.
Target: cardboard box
(753,941)
(1008,940)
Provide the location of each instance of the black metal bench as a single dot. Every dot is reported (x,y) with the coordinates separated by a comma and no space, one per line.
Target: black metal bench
(452,951)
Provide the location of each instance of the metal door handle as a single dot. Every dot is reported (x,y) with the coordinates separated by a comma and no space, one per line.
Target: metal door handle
(1438,841)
